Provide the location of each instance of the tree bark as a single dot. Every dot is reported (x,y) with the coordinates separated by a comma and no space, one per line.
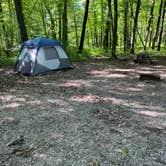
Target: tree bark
(149,24)
(64,24)
(162,25)
(2,23)
(95,29)
(75,26)
(108,26)
(53,33)
(60,20)
(155,37)
(135,26)
(43,15)
(114,30)
(126,26)
(101,25)
(84,26)
(21,21)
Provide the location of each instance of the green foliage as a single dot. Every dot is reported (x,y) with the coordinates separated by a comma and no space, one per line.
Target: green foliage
(40,14)
(7,61)
(151,52)
(87,54)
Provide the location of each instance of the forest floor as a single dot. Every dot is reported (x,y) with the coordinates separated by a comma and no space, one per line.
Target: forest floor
(99,113)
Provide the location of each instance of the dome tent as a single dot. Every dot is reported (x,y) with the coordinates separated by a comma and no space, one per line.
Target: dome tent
(41,55)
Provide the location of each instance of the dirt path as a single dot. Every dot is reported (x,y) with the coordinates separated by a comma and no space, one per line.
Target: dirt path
(98,113)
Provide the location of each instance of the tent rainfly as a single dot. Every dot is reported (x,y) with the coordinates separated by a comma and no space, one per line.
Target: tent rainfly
(41,55)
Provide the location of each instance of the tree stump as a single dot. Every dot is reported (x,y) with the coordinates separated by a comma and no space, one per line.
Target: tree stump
(154,77)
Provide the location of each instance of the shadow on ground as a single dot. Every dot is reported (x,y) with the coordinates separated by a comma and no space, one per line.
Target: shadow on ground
(99,112)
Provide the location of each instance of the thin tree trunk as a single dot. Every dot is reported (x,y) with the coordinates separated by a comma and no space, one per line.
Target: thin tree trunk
(2,23)
(155,37)
(84,27)
(95,30)
(101,25)
(95,34)
(114,30)
(75,26)
(64,24)
(126,26)
(10,38)
(20,19)
(162,25)
(149,24)
(140,37)
(60,20)
(135,26)
(131,18)
(53,33)
(43,15)
(108,26)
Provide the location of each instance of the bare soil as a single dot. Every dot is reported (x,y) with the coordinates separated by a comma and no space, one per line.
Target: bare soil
(99,113)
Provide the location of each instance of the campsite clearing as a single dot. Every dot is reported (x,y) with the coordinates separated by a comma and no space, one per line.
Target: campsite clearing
(100,112)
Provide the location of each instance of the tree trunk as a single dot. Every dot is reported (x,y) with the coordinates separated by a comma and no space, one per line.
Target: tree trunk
(95,30)
(161,28)
(114,30)
(108,26)
(64,24)
(126,26)
(3,24)
(155,37)
(135,26)
(43,16)
(84,27)
(60,20)
(20,19)
(149,24)
(53,33)
(75,26)
(101,25)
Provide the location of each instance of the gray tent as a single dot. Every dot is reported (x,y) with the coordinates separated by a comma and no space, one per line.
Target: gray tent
(41,55)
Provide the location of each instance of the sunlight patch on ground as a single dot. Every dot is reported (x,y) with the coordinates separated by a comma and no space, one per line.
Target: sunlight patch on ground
(123,70)
(107,74)
(137,105)
(140,85)
(6,98)
(134,89)
(76,83)
(87,98)
(58,102)
(145,72)
(156,125)
(39,155)
(151,113)
(65,110)
(21,99)
(93,99)
(163,75)
(114,100)
(11,105)
(50,83)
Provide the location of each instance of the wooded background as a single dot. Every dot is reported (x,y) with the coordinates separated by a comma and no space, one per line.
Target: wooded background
(107,24)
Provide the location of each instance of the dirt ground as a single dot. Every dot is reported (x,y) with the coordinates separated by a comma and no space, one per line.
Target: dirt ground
(99,113)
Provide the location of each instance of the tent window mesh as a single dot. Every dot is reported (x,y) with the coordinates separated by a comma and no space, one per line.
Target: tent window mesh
(50,53)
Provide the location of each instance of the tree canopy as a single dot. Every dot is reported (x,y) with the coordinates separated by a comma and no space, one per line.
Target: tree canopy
(106,24)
